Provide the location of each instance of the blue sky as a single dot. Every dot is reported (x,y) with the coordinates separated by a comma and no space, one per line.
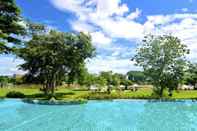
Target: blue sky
(116,27)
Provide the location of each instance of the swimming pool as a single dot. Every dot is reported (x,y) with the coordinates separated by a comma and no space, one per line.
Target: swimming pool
(116,115)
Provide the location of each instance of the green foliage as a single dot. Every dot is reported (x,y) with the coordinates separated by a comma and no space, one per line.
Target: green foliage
(18,79)
(191,75)
(162,58)
(80,50)
(99,80)
(114,79)
(107,76)
(31,91)
(49,57)
(81,77)
(53,101)
(5,80)
(140,94)
(15,94)
(137,76)
(118,79)
(9,25)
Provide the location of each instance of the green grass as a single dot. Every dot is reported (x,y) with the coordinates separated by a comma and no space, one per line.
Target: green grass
(185,94)
(32,91)
(26,91)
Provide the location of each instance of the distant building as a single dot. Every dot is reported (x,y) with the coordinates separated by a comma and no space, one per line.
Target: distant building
(186,87)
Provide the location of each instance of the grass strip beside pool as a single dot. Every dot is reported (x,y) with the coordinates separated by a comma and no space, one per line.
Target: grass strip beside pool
(69,94)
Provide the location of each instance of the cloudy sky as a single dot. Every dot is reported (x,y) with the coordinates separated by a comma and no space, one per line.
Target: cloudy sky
(116,27)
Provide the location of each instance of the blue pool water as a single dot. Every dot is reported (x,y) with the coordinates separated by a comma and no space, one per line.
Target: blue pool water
(117,115)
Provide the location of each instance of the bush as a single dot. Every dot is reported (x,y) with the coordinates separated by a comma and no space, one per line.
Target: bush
(15,94)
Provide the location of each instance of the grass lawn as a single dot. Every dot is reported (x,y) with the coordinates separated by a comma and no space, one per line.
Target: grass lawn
(185,94)
(65,93)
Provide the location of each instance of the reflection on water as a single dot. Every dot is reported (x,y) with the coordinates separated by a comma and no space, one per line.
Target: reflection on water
(168,116)
(118,115)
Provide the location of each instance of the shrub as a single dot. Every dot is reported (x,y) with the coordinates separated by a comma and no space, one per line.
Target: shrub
(15,94)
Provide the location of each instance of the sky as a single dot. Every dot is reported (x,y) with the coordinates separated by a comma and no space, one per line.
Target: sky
(116,27)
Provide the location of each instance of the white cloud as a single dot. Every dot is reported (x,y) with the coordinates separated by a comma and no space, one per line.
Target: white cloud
(9,65)
(99,39)
(121,28)
(69,5)
(135,14)
(99,63)
(112,17)
(82,26)
(109,20)
(184,26)
(105,8)
(184,9)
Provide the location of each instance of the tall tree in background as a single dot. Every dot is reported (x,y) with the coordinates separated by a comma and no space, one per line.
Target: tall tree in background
(10,25)
(163,61)
(191,75)
(82,48)
(137,76)
(51,56)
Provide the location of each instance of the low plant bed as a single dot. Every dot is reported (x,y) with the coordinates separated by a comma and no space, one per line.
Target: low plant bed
(55,102)
(15,94)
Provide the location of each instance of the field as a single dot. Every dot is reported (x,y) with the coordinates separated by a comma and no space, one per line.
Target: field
(32,91)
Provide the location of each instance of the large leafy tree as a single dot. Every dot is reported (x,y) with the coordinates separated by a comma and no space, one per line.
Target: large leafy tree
(163,61)
(10,25)
(49,57)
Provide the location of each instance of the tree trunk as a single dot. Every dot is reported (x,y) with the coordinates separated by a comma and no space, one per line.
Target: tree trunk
(170,92)
(45,88)
(53,85)
(161,92)
(108,89)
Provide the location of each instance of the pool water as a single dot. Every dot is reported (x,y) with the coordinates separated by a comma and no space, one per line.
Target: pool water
(116,115)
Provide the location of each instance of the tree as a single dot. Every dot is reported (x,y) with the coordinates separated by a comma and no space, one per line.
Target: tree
(191,75)
(100,81)
(119,77)
(10,25)
(136,76)
(107,75)
(163,61)
(82,76)
(3,81)
(51,56)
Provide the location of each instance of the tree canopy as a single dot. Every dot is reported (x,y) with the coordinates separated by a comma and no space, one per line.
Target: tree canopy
(53,55)
(10,25)
(191,75)
(137,76)
(163,61)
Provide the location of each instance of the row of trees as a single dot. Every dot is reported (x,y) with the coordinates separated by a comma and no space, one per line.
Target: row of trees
(51,56)
(104,79)
(82,77)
